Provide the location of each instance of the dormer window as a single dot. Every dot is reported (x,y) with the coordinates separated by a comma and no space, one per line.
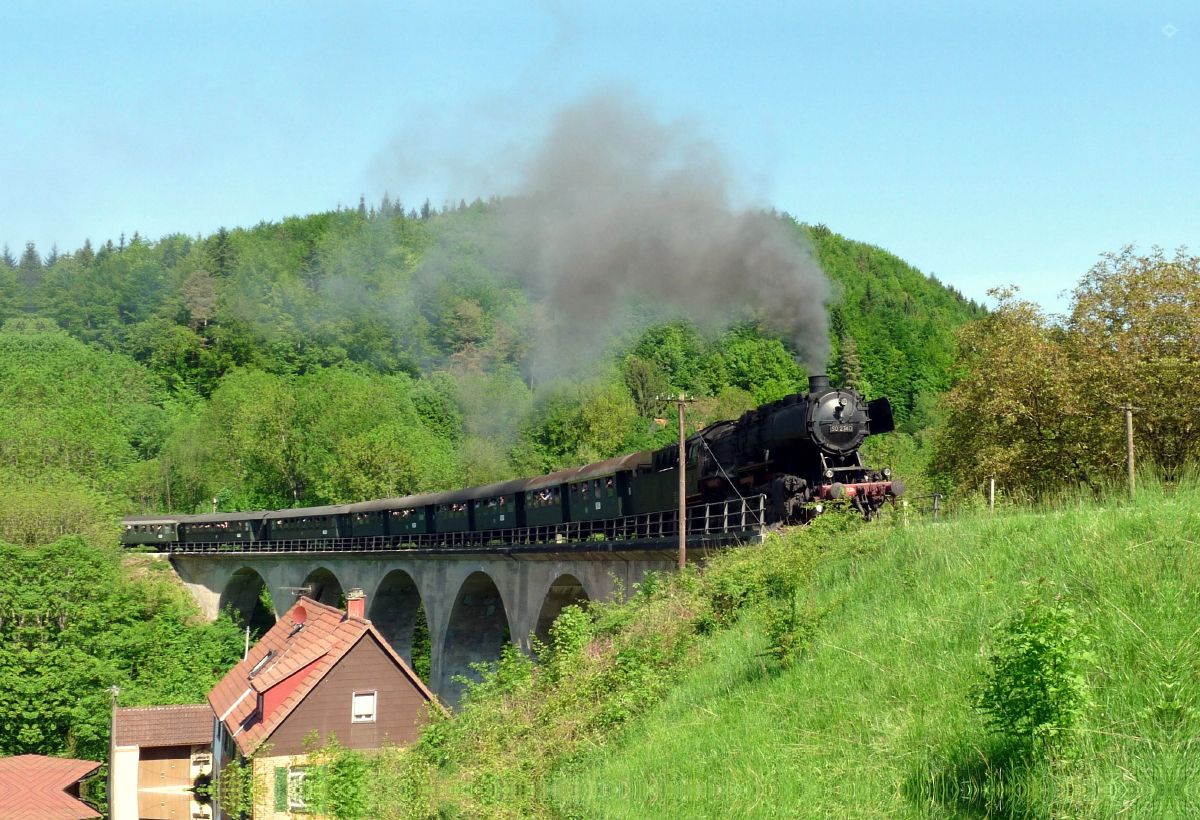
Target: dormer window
(363,707)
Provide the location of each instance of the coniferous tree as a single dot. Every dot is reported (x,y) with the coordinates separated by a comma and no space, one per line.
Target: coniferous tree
(385,207)
(220,252)
(849,365)
(85,255)
(7,259)
(30,266)
(426,209)
(412,214)
(121,243)
(53,257)
(362,206)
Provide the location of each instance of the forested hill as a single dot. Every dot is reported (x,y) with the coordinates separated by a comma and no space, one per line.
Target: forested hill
(367,352)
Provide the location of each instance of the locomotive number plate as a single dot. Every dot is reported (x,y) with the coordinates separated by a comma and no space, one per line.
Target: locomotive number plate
(841,428)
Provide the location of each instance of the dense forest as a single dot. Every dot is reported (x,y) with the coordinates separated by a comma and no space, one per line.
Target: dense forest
(371,352)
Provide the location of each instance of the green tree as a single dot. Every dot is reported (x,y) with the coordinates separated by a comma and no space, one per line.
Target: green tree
(1134,336)
(676,350)
(199,293)
(1014,411)
(73,623)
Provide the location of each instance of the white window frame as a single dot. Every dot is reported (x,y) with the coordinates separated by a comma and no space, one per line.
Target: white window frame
(354,718)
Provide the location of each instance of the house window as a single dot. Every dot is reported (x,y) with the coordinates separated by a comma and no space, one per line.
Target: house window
(363,708)
(295,790)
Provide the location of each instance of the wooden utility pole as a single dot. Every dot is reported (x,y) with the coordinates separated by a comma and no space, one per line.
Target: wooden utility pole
(1129,408)
(682,400)
(682,489)
(114,690)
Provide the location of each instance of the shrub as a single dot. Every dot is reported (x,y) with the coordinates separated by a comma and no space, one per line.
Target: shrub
(569,634)
(1036,682)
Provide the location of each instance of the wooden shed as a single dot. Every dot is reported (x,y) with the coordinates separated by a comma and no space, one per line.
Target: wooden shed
(159,754)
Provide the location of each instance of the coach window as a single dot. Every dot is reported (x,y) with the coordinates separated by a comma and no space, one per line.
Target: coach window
(608,485)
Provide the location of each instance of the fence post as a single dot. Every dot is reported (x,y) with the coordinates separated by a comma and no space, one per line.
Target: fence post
(936,498)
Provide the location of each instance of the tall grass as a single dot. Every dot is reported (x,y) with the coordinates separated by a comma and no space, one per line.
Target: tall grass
(878,720)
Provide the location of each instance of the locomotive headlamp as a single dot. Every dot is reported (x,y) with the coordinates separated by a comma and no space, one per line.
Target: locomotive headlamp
(887,472)
(820,508)
(829,473)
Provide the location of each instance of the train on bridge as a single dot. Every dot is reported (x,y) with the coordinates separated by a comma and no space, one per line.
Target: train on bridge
(791,455)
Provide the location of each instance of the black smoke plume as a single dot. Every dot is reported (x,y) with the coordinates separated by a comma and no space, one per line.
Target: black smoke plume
(616,206)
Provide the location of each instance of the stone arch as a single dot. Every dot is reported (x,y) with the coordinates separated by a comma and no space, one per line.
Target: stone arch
(247,595)
(393,611)
(324,587)
(475,633)
(564,591)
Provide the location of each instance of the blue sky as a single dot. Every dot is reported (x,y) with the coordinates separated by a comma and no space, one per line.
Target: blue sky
(989,143)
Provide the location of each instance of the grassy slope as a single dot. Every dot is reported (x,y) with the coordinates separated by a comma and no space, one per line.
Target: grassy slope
(879,712)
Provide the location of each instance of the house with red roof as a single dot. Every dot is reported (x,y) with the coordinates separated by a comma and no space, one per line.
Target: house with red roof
(318,670)
(33,787)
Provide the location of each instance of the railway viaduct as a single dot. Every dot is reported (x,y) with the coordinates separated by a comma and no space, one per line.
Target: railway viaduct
(474,599)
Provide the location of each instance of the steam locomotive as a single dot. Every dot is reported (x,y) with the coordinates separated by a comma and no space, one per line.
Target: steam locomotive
(798,452)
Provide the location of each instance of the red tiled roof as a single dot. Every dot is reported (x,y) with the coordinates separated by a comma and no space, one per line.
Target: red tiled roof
(33,787)
(148,726)
(316,639)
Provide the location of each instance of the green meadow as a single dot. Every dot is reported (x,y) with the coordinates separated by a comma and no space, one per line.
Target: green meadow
(877,719)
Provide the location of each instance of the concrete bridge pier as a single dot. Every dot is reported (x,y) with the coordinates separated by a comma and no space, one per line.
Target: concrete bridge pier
(472,603)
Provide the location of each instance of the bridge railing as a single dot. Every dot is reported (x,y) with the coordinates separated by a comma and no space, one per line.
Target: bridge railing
(733,519)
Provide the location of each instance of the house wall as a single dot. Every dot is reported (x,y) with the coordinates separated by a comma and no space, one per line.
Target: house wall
(264,778)
(125,783)
(399,710)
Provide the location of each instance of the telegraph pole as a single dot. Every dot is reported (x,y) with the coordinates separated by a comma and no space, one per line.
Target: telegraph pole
(682,399)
